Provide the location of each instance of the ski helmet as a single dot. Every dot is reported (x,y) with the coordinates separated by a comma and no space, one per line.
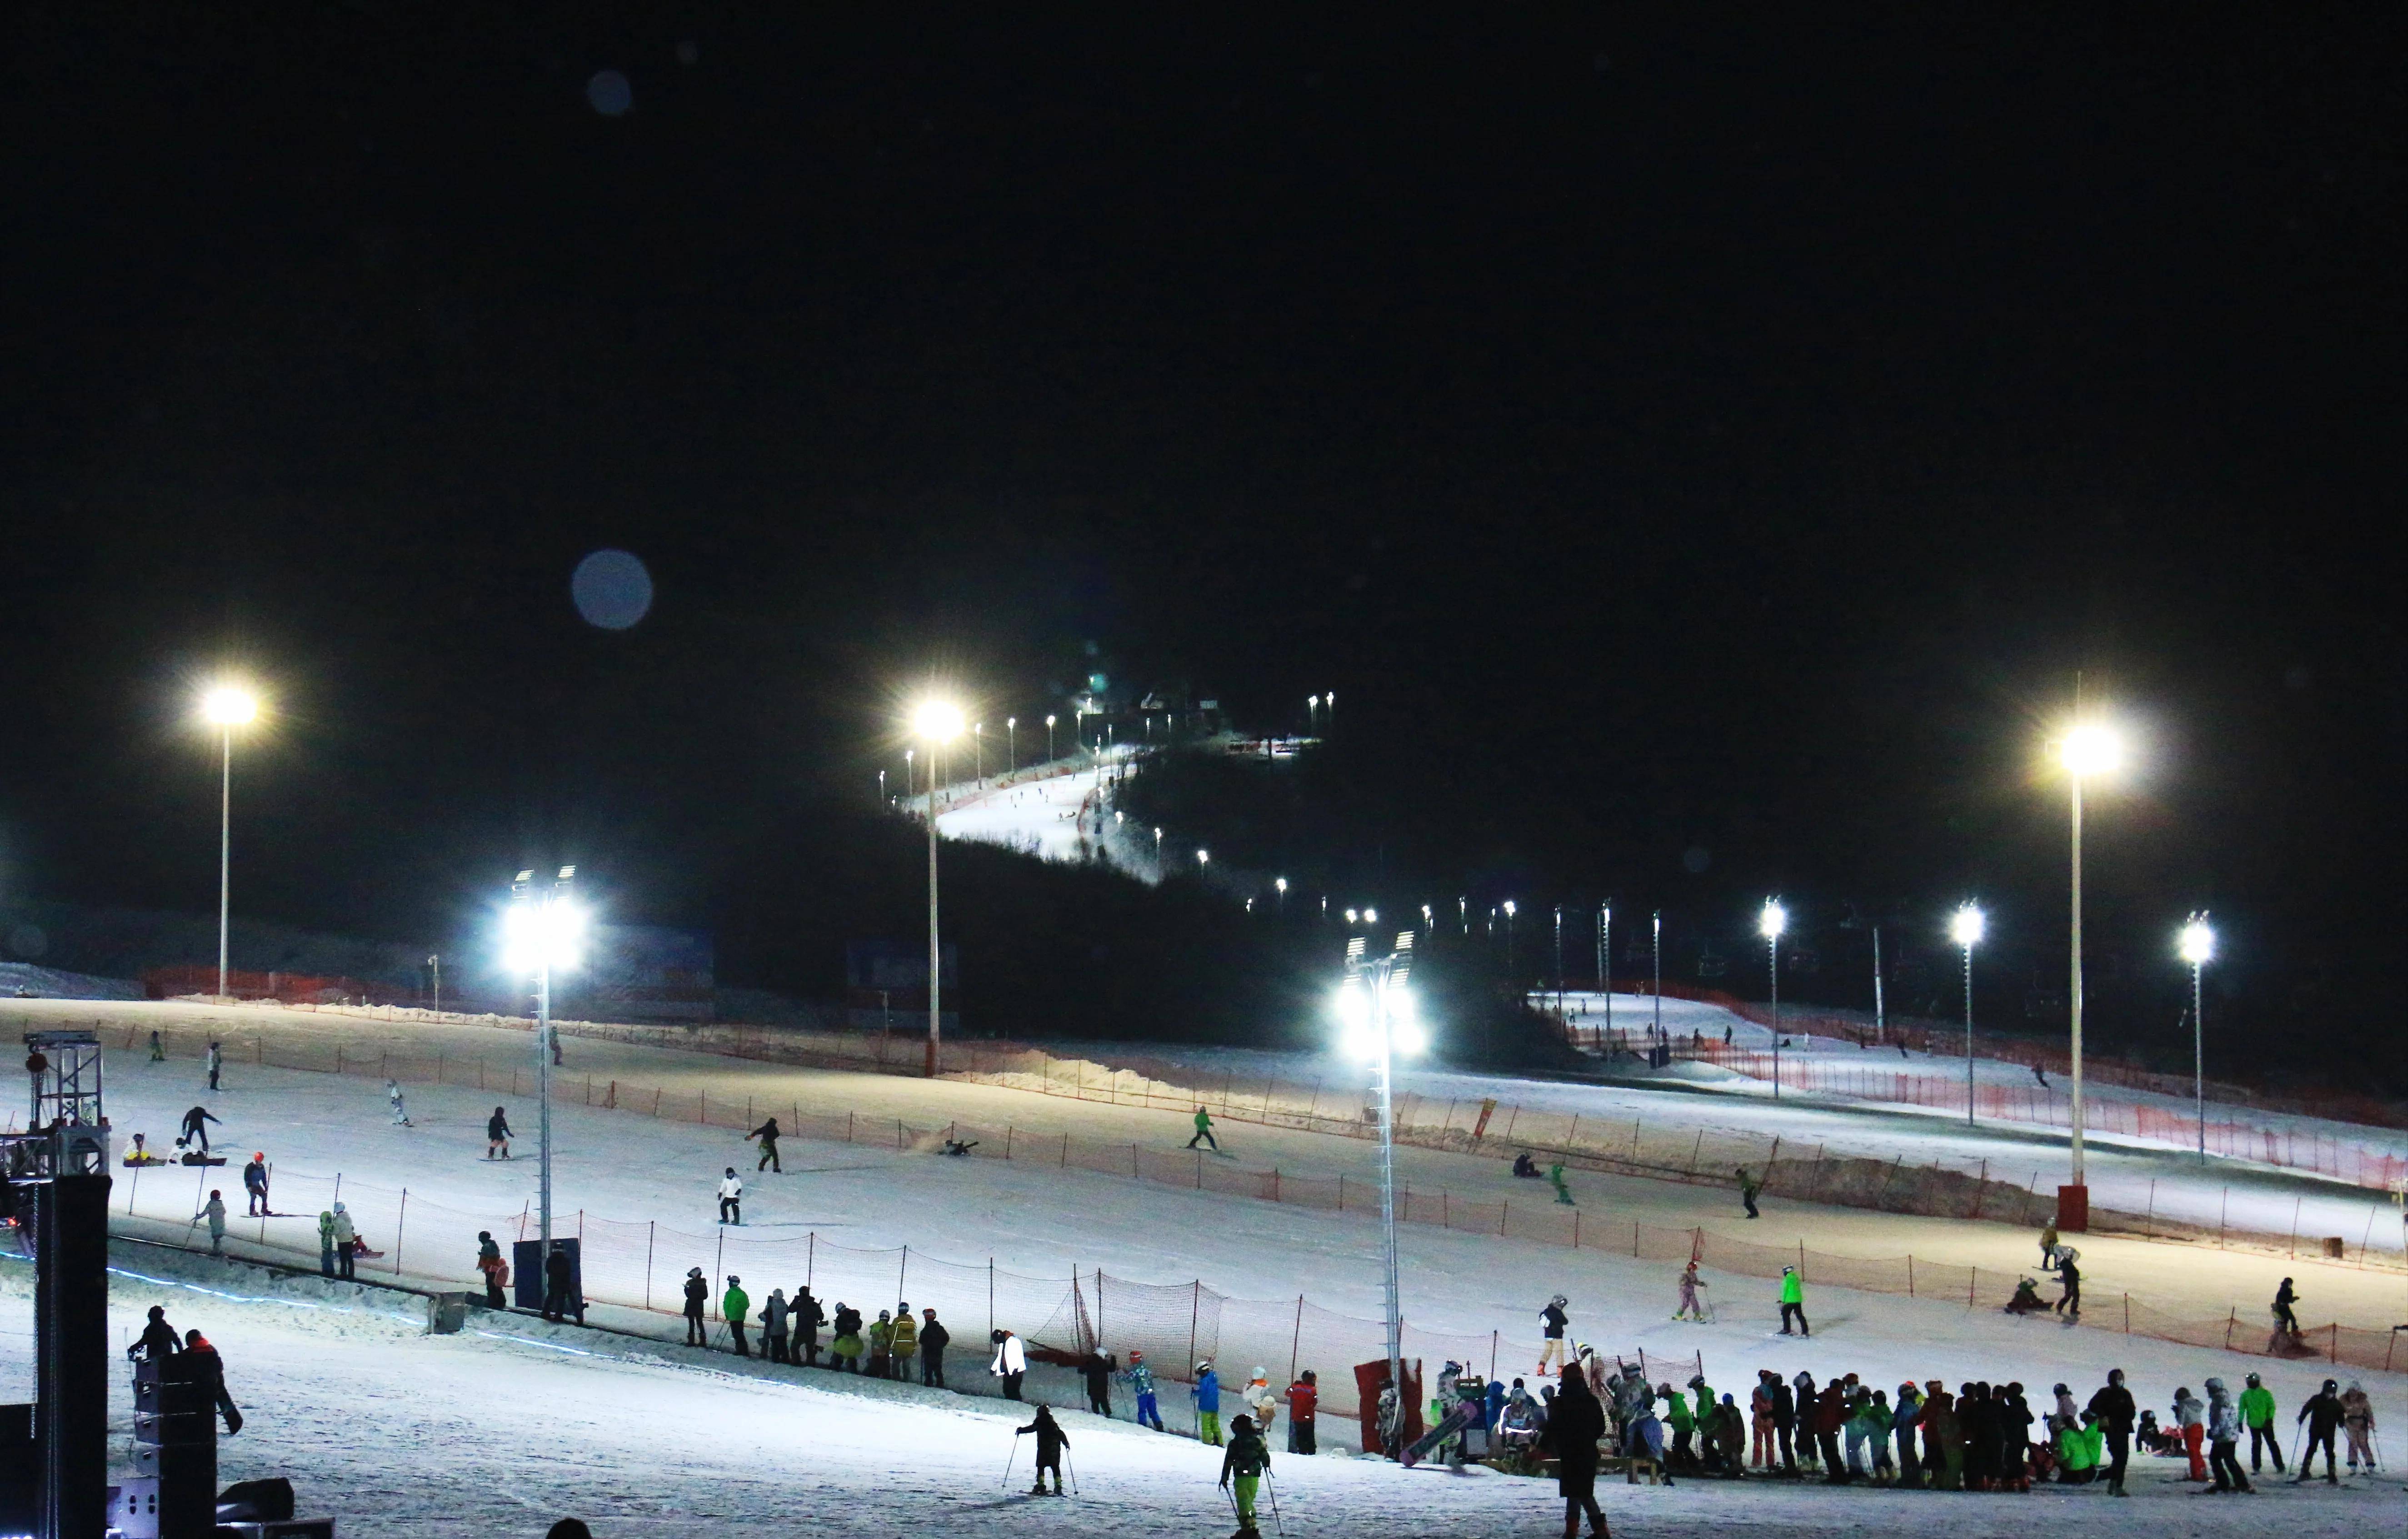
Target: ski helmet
(1136,1356)
(1559,1300)
(2251,1381)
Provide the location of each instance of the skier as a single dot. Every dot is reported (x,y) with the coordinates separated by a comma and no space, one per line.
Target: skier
(326,1243)
(904,1344)
(1205,1393)
(844,1347)
(158,1049)
(254,1183)
(497,1136)
(881,1346)
(808,1317)
(400,1111)
(1139,1379)
(214,1211)
(1248,1459)
(1747,1190)
(2257,1414)
(1010,1362)
(2224,1436)
(196,1345)
(1556,1179)
(1676,1410)
(734,1303)
(1903,1419)
(196,1127)
(2322,1412)
(767,1134)
(158,1339)
(1098,1370)
(731,1199)
(560,1298)
(489,1262)
(1204,1131)
(1574,1423)
(2358,1425)
(933,1337)
(216,1062)
(1690,1308)
(2286,1322)
(1303,1403)
(2116,1413)
(773,1327)
(1761,1453)
(1051,1441)
(697,1294)
(2190,1421)
(347,1237)
(1793,1303)
(1552,1322)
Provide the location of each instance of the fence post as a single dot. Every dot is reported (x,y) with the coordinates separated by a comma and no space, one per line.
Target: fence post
(1503,1208)
(1295,1341)
(1576,1229)
(990,1296)
(2295,1227)
(1066,1151)
(650,1233)
(903,1269)
(1195,1307)
(2127,1313)
(718,1256)
(1275,1195)
(135,1184)
(2230,1321)
(1910,1274)
(1695,1149)
(811,1258)
(401,1221)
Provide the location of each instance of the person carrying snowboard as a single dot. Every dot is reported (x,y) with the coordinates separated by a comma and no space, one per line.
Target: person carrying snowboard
(400,1111)
(254,1183)
(214,1211)
(490,1263)
(731,1198)
(1139,1378)
(1205,1393)
(1793,1302)
(767,1134)
(1552,1322)
(1051,1441)
(1204,1131)
(698,1295)
(197,1345)
(196,1129)
(1748,1187)
(734,1303)
(497,1136)
(1248,1459)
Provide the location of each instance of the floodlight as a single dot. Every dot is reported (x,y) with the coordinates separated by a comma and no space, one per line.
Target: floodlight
(1371,916)
(537,936)
(229,705)
(2092,748)
(1965,927)
(2198,941)
(1203,857)
(1508,908)
(1280,882)
(937,721)
(1350,916)
(1772,921)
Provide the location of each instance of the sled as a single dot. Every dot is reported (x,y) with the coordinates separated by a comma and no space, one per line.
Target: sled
(1463,1416)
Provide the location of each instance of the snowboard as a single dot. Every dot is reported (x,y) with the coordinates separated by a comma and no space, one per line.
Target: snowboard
(1457,1420)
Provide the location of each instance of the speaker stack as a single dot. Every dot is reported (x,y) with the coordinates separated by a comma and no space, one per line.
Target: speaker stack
(173,1493)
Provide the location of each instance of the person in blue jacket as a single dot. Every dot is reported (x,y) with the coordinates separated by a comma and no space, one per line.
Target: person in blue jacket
(1139,1378)
(1206,1395)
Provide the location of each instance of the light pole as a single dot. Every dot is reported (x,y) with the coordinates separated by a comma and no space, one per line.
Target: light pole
(1157,852)
(1656,946)
(1049,737)
(978,752)
(1560,958)
(937,722)
(1769,923)
(1280,882)
(2199,949)
(2089,749)
(1881,1020)
(1965,927)
(435,960)
(1010,743)
(1311,713)
(1377,1010)
(226,707)
(1509,948)
(542,932)
(1605,965)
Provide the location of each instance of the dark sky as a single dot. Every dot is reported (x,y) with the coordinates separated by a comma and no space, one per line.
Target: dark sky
(1675,429)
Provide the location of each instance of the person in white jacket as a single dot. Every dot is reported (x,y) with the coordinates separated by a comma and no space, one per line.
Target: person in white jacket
(400,1111)
(731,1199)
(1010,1362)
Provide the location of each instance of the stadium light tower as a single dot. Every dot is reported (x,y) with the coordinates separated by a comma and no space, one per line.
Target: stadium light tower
(1377,1012)
(2090,748)
(543,931)
(935,722)
(1049,737)
(1010,743)
(2199,949)
(1965,927)
(225,706)
(1769,923)
(1280,882)
(1560,958)
(1508,946)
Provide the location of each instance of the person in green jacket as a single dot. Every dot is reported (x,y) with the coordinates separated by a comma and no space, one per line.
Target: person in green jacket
(2078,1450)
(1248,1459)
(1705,1394)
(2257,1414)
(903,1345)
(327,1241)
(1683,1420)
(1204,1131)
(1793,1302)
(736,1304)
(1556,1179)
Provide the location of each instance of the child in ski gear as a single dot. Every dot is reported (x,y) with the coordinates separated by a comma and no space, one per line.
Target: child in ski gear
(1096,1370)
(1204,1131)
(698,1295)
(1576,1421)
(1248,1458)
(216,1063)
(2286,1318)
(1552,1322)
(1690,1308)
(773,1327)
(254,1183)
(158,1049)
(2257,1414)
(400,1111)
(214,1211)
(2116,1414)
(806,1318)
(1010,1362)
(1903,1418)
(196,1127)
(490,1263)
(1259,1403)
(1793,1302)
(2358,1425)
(1139,1379)
(844,1347)
(1748,1187)
(326,1243)
(735,1304)
(1051,1441)
(1205,1393)
(933,1337)
(1303,1403)
(767,1134)
(2224,1436)
(2322,1414)
(1525,1167)
(731,1199)
(2048,1243)
(497,1136)
(2069,1278)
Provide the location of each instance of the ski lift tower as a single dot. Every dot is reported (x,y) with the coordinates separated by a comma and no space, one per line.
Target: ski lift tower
(64,1071)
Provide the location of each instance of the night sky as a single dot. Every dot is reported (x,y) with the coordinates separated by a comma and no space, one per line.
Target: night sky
(1675,433)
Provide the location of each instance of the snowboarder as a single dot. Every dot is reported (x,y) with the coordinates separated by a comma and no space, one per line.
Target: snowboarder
(933,1337)
(1793,1303)
(2358,1425)
(1205,1393)
(496,1270)
(767,1134)
(904,1344)
(1303,1404)
(844,1347)
(1051,1441)
(2287,1321)
(1010,1362)
(1748,1187)
(735,1304)
(1552,1322)
(400,1111)
(2322,1414)
(1526,1168)
(196,1345)
(347,1235)
(197,1130)
(158,1049)
(2048,1243)
(807,1316)
(216,1062)
(2069,1278)
(327,1241)
(254,1183)
(1576,1421)
(2223,1435)
(697,1294)
(1204,1131)
(1139,1378)
(2257,1414)
(1690,1308)
(1556,1179)
(559,1298)
(214,1211)
(2116,1414)
(2027,1299)
(1097,1369)
(1248,1459)
(731,1199)
(497,1136)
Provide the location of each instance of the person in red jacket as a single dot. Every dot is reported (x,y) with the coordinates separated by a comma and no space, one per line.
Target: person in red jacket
(1303,1398)
(1830,1414)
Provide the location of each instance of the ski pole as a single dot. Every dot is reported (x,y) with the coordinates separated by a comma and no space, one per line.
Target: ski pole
(1008,1462)
(1272,1491)
(1072,1460)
